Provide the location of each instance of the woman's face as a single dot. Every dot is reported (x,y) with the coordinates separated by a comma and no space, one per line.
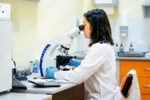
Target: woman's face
(87,28)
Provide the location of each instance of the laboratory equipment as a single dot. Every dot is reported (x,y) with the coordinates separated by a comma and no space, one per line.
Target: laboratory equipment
(116,49)
(59,46)
(62,61)
(131,49)
(6,63)
(121,48)
(131,54)
(16,84)
(45,83)
(21,74)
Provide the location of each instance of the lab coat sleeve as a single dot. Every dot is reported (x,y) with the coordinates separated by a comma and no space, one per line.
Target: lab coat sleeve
(91,64)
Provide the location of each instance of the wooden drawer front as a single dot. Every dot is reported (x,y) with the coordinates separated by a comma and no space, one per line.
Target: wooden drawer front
(145,97)
(142,67)
(144,85)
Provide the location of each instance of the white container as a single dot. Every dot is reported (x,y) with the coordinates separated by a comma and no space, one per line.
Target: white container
(147,55)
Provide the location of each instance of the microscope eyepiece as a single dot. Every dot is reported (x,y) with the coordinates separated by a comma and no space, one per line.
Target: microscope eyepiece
(81,27)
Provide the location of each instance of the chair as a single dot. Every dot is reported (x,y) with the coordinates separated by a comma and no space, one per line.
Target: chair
(129,86)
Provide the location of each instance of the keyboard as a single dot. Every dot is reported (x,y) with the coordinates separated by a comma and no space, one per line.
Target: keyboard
(16,84)
(45,83)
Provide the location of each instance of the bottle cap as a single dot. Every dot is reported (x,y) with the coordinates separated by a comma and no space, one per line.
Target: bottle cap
(121,44)
(131,45)
(116,44)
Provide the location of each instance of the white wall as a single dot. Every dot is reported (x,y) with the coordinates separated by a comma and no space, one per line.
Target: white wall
(139,32)
(56,17)
(35,23)
(24,23)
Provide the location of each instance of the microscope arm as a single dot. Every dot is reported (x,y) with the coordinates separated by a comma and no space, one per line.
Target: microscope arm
(58,47)
(64,41)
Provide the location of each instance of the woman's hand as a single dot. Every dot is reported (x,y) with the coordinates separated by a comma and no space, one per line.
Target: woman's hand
(50,72)
(74,62)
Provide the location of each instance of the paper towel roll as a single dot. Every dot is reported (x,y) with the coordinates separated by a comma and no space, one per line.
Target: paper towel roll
(124,19)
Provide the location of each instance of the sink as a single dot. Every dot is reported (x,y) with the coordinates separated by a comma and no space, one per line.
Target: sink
(131,54)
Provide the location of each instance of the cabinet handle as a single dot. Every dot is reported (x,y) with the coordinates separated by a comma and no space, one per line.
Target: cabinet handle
(147,86)
(147,69)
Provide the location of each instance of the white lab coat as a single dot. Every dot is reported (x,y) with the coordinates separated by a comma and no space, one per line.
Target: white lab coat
(97,71)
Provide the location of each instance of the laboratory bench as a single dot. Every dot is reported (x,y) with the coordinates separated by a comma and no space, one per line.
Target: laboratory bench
(67,91)
(70,91)
(24,96)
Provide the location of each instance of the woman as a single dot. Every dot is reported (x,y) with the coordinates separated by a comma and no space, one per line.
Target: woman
(97,70)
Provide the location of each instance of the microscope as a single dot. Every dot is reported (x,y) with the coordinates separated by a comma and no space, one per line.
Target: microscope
(56,53)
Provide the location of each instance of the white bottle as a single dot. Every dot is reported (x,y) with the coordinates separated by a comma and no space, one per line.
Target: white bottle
(31,66)
(116,48)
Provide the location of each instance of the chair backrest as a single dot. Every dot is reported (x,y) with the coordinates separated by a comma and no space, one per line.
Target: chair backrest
(126,85)
(129,86)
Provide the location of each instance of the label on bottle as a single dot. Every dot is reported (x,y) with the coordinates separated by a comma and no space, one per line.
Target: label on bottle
(121,49)
(131,49)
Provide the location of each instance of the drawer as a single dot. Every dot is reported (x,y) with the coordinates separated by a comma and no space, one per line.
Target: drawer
(144,84)
(142,67)
(145,97)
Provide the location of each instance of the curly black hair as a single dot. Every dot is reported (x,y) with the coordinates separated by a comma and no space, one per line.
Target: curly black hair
(100,27)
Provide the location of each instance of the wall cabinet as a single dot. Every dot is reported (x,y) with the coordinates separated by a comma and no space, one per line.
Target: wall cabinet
(105,2)
(107,5)
(142,68)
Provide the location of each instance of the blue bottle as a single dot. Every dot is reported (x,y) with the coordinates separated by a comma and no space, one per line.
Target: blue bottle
(35,68)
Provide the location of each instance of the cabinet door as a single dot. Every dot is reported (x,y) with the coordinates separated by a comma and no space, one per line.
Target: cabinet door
(105,2)
(144,85)
(145,97)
